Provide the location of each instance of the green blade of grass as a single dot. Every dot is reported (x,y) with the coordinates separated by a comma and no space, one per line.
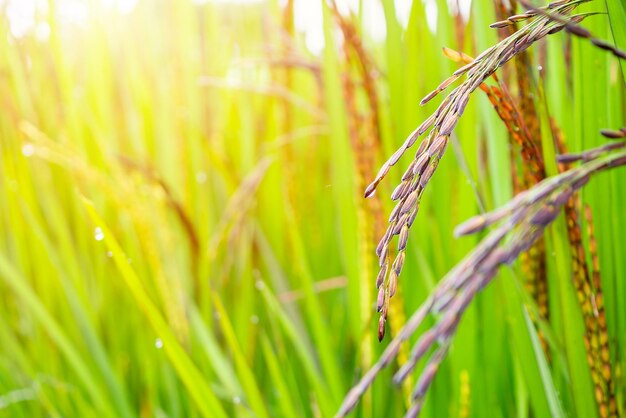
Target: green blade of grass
(18,284)
(250,387)
(305,355)
(343,183)
(617,16)
(556,409)
(197,386)
(287,407)
(78,308)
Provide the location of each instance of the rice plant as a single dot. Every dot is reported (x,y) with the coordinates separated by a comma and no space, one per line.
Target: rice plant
(192,223)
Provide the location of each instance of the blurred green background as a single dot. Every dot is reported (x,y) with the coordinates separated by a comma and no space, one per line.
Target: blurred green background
(182,227)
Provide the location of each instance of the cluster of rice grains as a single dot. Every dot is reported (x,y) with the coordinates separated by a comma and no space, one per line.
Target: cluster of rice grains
(519,224)
(521,221)
(431,149)
(359,81)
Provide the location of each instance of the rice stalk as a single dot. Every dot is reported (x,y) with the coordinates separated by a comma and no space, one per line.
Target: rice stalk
(358,139)
(365,138)
(602,363)
(605,384)
(571,26)
(533,261)
(512,20)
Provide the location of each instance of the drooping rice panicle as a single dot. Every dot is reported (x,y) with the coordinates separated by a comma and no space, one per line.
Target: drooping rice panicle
(433,146)
(521,222)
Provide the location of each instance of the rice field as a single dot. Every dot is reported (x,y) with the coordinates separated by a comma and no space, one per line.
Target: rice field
(326,208)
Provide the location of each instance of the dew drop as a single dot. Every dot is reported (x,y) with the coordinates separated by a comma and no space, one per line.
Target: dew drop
(158,343)
(98,234)
(110,254)
(254,319)
(201,177)
(28,150)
